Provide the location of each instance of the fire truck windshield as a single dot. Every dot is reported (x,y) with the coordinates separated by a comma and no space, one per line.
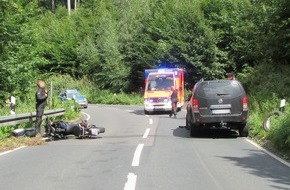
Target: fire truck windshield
(158,82)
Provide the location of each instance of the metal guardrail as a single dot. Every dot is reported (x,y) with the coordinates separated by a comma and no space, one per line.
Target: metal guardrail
(27,117)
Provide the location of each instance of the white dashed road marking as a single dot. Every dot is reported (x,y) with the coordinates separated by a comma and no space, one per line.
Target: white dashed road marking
(131,182)
(146,133)
(137,155)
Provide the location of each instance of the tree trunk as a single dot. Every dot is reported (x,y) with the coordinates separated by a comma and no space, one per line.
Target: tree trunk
(68,6)
(52,5)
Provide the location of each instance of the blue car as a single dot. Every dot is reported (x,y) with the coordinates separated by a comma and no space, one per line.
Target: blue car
(75,95)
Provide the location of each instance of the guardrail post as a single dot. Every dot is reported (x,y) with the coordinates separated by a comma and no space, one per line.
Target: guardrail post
(50,102)
(12,105)
(282,105)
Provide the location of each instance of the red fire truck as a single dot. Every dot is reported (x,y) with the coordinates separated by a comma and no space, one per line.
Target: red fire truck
(158,83)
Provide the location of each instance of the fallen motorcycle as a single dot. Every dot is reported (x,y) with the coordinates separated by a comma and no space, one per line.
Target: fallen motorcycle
(61,130)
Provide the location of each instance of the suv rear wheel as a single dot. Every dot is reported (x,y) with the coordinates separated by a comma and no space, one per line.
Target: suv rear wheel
(244,130)
(193,130)
(187,122)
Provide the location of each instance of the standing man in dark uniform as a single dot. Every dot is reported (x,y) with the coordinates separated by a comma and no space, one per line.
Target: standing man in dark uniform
(174,100)
(40,97)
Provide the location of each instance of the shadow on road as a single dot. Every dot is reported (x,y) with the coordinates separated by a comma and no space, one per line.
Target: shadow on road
(255,164)
(138,112)
(162,114)
(181,131)
(141,112)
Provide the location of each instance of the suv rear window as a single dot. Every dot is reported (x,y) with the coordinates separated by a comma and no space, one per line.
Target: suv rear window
(219,88)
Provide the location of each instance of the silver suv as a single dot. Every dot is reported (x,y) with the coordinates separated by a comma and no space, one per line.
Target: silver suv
(218,104)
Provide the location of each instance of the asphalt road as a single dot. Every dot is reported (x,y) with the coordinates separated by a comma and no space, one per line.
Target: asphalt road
(139,152)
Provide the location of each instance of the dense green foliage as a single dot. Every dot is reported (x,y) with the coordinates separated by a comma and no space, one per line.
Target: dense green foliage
(109,43)
(280,131)
(112,42)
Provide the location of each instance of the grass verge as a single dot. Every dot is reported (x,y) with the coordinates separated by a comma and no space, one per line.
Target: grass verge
(14,142)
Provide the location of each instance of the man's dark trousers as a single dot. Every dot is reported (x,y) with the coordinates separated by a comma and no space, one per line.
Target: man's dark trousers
(39,114)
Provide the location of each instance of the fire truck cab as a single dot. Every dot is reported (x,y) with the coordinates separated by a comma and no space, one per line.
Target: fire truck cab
(158,84)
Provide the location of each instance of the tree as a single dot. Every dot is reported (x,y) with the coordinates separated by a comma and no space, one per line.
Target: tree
(17,56)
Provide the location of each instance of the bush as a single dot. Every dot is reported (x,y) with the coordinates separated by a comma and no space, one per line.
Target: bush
(5,131)
(107,97)
(63,82)
(258,110)
(91,92)
(280,131)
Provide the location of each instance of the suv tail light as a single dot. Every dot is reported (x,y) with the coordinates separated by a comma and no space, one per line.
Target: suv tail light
(194,104)
(245,104)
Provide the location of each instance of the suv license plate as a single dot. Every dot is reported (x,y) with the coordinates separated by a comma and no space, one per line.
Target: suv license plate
(223,111)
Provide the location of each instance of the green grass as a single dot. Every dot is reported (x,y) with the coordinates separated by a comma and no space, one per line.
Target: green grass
(280,131)
(278,138)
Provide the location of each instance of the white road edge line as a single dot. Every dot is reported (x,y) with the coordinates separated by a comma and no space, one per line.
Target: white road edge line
(137,155)
(131,182)
(88,116)
(269,153)
(146,133)
(6,152)
(150,121)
